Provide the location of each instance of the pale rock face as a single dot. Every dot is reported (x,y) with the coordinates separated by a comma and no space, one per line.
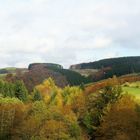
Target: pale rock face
(75,67)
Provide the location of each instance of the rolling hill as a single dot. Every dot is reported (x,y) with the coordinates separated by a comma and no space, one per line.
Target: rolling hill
(76,75)
(106,68)
(38,72)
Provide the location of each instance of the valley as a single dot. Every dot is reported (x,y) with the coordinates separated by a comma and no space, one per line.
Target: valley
(46,101)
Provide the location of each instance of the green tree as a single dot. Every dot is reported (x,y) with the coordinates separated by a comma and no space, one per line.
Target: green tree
(7,89)
(37,96)
(82,86)
(97,105)
(21,91)
(1,87)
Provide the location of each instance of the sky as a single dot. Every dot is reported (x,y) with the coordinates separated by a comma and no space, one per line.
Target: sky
(67,31)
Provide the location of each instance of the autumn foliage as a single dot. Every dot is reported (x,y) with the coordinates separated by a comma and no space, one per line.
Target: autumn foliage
(70,113)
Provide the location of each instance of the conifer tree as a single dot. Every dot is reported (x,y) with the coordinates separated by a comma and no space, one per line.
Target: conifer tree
(21,91)
(37,96)
(1,87)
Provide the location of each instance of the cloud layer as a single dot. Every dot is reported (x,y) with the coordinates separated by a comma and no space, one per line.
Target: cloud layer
(67,32)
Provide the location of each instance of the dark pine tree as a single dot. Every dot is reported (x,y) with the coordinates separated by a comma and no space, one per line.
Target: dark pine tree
(37,96)
(21,91)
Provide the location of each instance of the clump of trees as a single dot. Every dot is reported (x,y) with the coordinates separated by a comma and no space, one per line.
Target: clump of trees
(121,121)
(73,78)
(12,111)
(16,89)
(97,105)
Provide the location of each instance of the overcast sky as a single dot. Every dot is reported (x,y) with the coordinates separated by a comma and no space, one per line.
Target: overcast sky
(67,31)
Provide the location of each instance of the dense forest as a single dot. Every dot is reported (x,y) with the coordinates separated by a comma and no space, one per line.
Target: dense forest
(74,78)
(70,113)
(111,62)
(113,66)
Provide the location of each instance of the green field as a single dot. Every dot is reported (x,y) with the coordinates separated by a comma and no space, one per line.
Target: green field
(133,89)
(2,76)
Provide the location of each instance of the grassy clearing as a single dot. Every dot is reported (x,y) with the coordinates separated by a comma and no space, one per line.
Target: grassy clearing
(2,76)
(133,89)
(10,68)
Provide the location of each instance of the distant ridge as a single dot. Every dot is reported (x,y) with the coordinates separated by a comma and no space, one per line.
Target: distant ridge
(38,72)
(77,74)
(106,62)
(112,66)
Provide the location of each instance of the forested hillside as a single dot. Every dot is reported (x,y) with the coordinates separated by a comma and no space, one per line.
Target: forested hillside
(77,75)
(109,67)
(73,78)
(38,72)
